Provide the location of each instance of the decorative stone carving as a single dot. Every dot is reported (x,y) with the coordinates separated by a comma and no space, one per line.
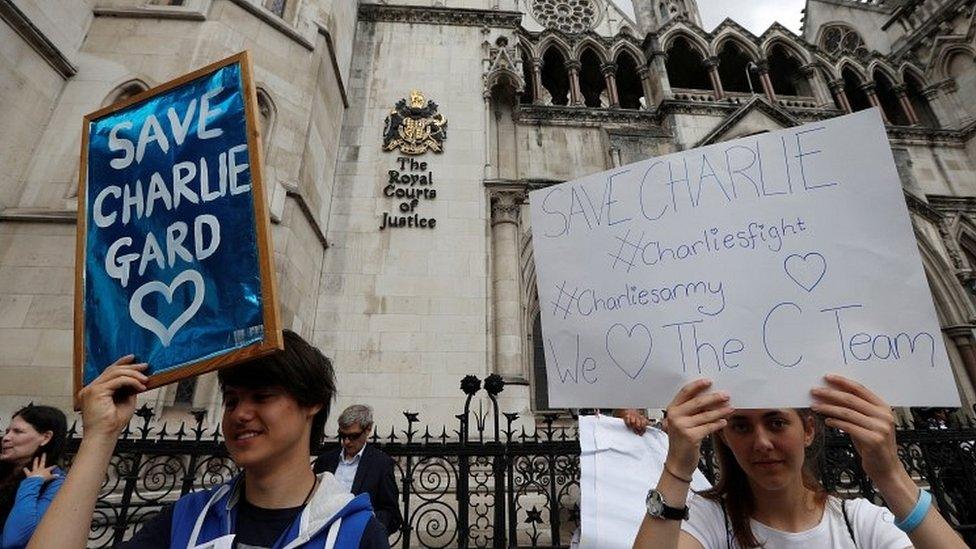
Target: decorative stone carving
(570,16)
(503,61)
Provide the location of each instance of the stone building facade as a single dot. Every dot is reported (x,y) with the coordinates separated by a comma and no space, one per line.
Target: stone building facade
(534,92)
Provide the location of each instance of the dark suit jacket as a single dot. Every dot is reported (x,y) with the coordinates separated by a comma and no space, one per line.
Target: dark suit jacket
(374,476)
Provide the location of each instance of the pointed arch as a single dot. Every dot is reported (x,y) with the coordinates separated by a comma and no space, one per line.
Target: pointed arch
(882,66)
(945,57)
(788,44)
(785,71)
(692,40)
(730,35)
(555,76)
(592,83)
(629,87)
(550,40)
(125,90)
(853,88)
(267,115)
(737,68)
(622,46)
(884,89)
(954,309)
(588,43)
(685,65)
(914,89)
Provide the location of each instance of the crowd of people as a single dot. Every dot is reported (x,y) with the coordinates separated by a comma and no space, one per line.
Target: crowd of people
(274,414)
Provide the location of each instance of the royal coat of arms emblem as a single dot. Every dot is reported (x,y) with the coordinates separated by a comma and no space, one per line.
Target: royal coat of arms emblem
(415,127)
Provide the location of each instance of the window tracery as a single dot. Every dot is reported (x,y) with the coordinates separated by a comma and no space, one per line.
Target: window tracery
(570,16)
(840,39)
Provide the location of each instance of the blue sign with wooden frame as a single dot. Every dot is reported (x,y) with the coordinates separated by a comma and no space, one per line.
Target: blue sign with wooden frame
(173,252)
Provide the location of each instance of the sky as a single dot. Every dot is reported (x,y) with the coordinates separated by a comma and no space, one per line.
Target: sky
(755,15)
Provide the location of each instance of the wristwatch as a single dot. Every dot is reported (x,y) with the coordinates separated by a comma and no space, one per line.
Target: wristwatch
(659,509)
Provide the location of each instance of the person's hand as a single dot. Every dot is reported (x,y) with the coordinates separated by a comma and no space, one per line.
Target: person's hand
(39,470)
(692,416)
(634,420)
(108,402)
(850,406)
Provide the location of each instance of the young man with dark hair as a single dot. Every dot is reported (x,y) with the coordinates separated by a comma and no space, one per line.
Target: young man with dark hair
(275,409)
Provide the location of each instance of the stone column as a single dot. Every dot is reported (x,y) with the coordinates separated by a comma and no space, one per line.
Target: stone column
(575,96)
(962,336)
(837,88)
(537,80)
(488,169)
(934,98)
(711,65)
(650,98)
(610,75)
(505,206)
(906,105)
(870,89)
(764,79)
(820,92)
(654,75)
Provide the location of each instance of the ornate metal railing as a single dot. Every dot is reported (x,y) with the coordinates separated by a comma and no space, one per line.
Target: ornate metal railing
(486,483)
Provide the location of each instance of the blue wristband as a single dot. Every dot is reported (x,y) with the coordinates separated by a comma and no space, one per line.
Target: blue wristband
(922,506)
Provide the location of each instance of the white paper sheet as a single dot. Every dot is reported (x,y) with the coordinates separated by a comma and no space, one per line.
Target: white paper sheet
(762,263)
(617,467)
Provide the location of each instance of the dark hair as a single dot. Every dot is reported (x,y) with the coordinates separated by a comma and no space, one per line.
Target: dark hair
(42,419)
(300,369)
(732,491)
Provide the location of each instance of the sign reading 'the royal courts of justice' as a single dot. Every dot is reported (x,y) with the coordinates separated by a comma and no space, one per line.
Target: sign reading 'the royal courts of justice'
(174,258)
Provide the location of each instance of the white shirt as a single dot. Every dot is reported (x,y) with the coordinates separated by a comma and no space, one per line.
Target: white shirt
(345,471)
(874,528)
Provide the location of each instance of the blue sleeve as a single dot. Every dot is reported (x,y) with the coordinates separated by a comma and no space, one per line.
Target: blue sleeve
(32,500)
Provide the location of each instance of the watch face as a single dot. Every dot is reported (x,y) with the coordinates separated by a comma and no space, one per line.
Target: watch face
(655,503)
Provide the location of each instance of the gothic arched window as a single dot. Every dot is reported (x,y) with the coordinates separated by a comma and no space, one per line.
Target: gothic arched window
(686,66)
(841,39)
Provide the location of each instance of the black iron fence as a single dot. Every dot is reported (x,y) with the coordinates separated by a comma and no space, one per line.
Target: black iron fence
(485,483)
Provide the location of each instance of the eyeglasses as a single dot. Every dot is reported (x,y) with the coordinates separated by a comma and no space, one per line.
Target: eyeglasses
(350,436)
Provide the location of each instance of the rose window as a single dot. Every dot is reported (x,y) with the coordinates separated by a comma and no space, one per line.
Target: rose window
(838,40)
(571,16)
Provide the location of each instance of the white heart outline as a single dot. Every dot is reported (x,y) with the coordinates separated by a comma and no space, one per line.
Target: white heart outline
(149,322)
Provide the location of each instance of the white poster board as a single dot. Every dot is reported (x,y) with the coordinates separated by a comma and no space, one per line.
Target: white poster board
(762,263)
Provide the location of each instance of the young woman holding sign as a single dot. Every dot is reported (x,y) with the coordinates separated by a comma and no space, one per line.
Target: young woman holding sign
(768,494)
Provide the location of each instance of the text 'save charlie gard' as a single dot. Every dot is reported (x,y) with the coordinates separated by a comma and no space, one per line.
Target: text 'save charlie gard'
(762,263)
(172,266)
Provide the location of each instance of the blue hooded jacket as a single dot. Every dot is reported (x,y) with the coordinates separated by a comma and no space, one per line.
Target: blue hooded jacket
(332,519)
(34,496)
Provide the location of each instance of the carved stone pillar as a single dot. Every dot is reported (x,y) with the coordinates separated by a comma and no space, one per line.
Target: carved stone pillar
(962,337)
(764,79)
(575,95)
(906,105)
(650,98)
(837,88)
(934,98)
(870,89)
(711,65)
(820,92)
(505,206)
(610,75)
(537,80)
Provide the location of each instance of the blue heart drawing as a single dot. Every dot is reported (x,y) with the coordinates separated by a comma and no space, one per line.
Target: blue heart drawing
(805,270)
(627,347)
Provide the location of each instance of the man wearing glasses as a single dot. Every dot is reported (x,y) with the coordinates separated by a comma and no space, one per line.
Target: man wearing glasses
(363,468)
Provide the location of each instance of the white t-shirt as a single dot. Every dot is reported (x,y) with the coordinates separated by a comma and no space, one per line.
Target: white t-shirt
(874,528)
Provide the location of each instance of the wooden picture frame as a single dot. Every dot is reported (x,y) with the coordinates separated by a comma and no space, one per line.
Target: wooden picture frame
(272,334)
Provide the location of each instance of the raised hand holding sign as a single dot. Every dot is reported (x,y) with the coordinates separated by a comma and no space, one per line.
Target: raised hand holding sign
(173,247)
